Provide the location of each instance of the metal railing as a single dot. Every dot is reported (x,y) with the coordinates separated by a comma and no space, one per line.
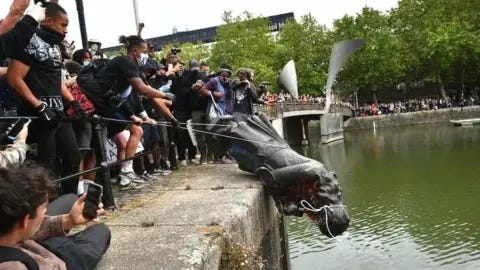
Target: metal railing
(276,110)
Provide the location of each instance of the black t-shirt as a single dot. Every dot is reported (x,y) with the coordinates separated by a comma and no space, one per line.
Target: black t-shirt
(45,75)
(242,101)
(118,71)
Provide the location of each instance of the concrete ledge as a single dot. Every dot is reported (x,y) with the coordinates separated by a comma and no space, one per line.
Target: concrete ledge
(185,227)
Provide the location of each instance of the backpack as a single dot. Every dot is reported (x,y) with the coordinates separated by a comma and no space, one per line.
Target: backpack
(10,254)
(99,91)
(93,68)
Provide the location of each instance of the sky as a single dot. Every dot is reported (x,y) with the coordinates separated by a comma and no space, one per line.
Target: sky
(106,20)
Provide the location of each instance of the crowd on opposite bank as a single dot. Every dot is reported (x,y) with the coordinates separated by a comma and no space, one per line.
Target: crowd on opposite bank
(411,105)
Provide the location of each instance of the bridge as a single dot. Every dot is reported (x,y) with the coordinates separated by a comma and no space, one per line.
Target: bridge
(290,120)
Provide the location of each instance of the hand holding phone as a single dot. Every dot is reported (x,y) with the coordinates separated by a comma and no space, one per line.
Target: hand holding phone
(19,129)
(94,195)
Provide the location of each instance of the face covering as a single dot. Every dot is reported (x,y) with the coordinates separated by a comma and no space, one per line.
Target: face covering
(50,35)
(142,60)
(85,63)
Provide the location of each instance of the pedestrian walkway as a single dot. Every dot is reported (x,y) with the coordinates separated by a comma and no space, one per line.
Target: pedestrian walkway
(181,221)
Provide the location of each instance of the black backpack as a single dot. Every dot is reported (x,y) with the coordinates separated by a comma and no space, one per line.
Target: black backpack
(11,254)
(100,91)
(91,70)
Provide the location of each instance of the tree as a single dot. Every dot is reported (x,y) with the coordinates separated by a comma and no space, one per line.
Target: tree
(378,64)
(244,41)
(440,37)
(189,51)
(309,45)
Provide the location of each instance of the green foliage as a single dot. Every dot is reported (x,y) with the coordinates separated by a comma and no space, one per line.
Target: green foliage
(245,41)
(309,45)
(189,51)
(439,39)
(378,64)
(122,51)
(420,41)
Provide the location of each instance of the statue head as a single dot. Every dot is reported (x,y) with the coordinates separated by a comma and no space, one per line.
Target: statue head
(310,189)
(325,205)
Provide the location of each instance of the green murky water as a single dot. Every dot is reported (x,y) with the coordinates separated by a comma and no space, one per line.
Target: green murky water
(413,195)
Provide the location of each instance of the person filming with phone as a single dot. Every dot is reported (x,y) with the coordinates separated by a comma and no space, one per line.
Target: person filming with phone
(30,239)
(16,152)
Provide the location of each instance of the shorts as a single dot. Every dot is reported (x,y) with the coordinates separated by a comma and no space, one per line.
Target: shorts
(83,133)
(151,135)
(115,128)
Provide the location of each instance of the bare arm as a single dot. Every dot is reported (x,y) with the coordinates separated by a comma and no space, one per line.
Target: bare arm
(15,75)
(70,82)
(67,95)
(162,106)
(3,72)
(145,89)
(16,12)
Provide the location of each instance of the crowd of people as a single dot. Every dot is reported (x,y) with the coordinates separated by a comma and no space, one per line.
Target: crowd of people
(34,223)
(285,97)
(135,98)
(413,105)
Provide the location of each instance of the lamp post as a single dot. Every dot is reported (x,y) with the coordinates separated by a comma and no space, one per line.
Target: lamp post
(137,17)
(81,22)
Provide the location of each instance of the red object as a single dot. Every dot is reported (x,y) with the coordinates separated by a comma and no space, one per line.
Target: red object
(85,103)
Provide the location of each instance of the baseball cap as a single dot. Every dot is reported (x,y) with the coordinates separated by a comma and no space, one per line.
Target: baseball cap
(194,65)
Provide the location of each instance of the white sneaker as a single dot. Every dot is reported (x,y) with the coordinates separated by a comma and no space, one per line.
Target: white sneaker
(161,171)
(183,163)
(130,186)
(146,176)
(194,161)
(131,176)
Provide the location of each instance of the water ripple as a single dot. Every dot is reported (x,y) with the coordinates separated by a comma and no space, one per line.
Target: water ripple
(380,234)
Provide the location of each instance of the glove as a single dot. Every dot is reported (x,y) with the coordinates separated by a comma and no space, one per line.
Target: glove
(79,112)
(37,12)
(174,122)
(170,96)
(114,98)
(46,114)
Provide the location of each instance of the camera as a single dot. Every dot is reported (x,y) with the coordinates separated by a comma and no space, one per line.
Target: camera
(175,50)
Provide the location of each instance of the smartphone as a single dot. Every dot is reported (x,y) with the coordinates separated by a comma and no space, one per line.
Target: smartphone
(94,195)
(17,127)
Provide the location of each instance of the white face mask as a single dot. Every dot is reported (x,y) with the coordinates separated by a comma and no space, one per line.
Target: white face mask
(143,59)
(85,63)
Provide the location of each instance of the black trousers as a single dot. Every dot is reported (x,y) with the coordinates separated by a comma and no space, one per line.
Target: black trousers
(83,250)
(182,138)
(57,150)
(61,205)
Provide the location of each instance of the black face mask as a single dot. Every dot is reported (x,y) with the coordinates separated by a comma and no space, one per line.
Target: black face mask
(50,35)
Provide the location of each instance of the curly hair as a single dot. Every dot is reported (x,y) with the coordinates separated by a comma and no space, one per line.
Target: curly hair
(23,188)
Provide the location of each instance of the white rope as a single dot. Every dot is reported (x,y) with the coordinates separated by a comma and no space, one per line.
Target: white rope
(167,124)
(307,206)
(231,137)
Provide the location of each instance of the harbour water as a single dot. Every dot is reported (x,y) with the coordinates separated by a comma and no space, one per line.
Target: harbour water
(413,195)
